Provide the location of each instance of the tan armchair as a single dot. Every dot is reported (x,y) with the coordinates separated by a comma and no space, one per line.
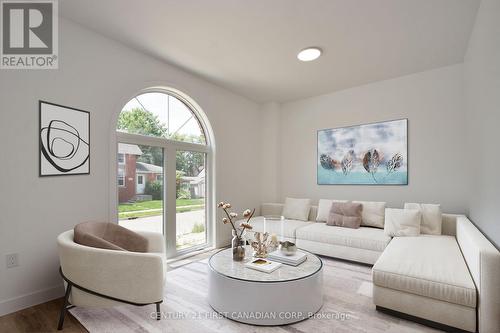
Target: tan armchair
(97,277)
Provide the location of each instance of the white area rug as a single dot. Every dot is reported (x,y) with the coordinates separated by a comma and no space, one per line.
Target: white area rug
(347,308)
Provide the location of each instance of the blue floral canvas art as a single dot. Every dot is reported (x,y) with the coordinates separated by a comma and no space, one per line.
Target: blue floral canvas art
(370,154)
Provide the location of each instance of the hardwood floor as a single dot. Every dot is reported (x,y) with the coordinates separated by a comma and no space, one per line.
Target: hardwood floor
(40,319)
(43,318)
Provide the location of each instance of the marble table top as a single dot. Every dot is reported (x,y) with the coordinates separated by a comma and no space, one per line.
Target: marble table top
(222,262)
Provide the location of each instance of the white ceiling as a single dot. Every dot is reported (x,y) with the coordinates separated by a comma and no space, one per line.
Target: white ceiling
(250,46)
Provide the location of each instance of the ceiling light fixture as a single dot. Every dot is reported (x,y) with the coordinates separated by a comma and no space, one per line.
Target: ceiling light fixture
(309,54)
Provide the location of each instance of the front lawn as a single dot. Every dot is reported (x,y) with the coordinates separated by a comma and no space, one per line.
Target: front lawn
(155,207)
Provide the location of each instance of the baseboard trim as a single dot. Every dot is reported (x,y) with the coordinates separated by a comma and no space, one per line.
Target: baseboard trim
(25,301)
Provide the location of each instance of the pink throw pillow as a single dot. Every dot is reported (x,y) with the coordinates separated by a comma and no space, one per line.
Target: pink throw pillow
(345,214)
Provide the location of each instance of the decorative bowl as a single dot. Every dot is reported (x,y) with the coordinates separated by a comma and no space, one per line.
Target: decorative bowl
(288,248)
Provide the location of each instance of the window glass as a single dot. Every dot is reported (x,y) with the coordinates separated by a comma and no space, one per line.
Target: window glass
(190,204)
(140,193)
(161,115)
(143,179)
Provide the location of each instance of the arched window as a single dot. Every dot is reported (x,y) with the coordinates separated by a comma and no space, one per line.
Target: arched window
(161,115)
(163,169)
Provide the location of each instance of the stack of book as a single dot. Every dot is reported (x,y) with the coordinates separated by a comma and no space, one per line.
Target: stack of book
(294,260)
(263,265)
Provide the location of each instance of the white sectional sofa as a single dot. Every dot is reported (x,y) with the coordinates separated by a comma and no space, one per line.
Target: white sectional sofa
(450,280)
(364,245)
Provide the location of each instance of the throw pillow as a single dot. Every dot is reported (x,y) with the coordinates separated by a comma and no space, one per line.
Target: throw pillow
(324,207)
(402,222)
(296,209)
(345,214)
(432,217)
(109,236)
(372,214)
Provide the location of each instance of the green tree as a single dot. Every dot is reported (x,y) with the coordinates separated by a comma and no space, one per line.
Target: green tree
(187,138)
(155,189)
(139,121)
(181,192)
(190,162)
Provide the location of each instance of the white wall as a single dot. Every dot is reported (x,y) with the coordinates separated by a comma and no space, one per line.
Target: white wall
(269,141)
(432,102)
(98,75)
(482,86)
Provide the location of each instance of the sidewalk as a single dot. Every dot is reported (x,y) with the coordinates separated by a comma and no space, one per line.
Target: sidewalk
(184,224)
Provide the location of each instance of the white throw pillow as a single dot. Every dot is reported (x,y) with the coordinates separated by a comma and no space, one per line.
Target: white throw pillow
(296,209)
(402,222)
(372,214)
(432,217)
(324,207)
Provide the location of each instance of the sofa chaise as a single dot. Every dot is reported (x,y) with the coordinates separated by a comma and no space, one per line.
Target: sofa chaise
(451,281)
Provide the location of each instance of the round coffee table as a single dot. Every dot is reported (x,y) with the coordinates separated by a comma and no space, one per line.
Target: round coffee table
(287,295)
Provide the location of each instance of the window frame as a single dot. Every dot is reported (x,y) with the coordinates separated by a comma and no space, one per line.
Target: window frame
(195,114)
(118,181)
(170,147)
(124,176)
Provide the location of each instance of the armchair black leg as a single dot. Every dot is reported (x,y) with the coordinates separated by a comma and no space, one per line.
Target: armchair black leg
(158,313)
(64,307)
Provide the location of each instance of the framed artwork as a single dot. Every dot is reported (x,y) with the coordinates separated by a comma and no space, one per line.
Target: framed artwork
(369,154)
(64,140)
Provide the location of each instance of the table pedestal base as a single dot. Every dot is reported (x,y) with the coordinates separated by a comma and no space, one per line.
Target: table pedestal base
(266,303)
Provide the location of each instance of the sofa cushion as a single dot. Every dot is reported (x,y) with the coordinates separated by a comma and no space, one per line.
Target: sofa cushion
(274,227)
(427,265)
(345,214)
(361,238)
(297,209)
(373,213)
(402,222)
(109,236)
(324,207)
(432,217)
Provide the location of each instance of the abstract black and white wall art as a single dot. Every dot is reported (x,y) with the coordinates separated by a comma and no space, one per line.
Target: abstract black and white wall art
(64,135)
(370,154)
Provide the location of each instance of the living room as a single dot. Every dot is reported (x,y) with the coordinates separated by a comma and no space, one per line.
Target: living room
(175,149)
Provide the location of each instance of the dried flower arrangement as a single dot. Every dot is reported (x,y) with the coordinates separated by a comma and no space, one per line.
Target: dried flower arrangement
(248,214)
(238,242)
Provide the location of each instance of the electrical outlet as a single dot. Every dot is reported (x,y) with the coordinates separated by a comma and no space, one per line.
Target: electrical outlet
(12,260)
